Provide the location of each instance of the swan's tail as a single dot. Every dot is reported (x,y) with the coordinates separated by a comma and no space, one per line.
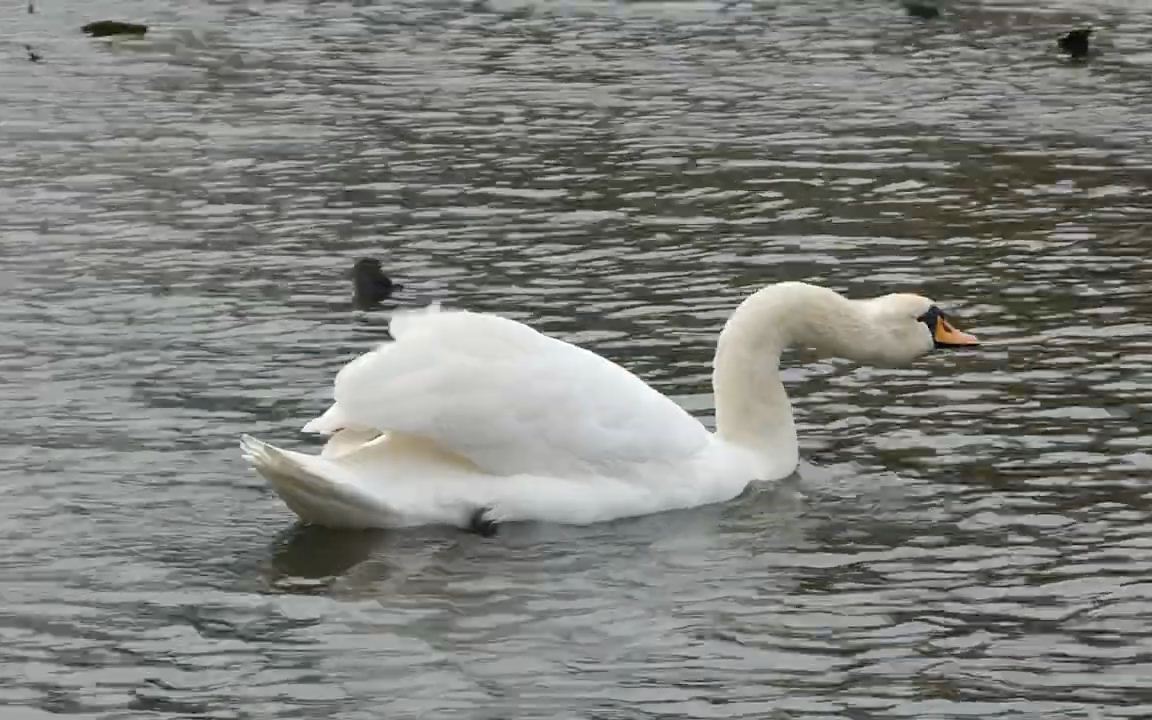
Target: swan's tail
(313,488)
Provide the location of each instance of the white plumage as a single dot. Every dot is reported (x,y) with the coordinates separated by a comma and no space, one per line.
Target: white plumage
(468,418)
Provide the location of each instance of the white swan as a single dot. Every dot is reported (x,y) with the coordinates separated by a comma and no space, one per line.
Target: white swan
(472,419)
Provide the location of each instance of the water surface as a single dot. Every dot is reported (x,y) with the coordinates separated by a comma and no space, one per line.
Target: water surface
(967,537)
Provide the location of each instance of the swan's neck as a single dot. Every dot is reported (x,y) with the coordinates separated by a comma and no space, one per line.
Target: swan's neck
(752,408)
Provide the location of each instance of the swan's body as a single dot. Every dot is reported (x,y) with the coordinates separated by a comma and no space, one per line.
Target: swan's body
(468,419)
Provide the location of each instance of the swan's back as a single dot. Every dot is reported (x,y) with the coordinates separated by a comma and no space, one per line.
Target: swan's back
(512,400)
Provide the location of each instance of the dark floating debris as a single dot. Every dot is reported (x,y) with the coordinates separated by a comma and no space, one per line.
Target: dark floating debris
(31,6)
(923,10)
(32,54)
(370,285)
(106,28)
(1075,43)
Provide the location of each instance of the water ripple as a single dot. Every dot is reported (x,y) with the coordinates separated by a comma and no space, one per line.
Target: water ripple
(966,537)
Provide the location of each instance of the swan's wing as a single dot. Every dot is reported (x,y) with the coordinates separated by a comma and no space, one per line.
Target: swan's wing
(510,399)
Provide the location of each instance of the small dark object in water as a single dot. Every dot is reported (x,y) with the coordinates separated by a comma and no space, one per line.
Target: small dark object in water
(32,54)
(31,7)
(922,10)
(370,285)
(481,524)
(1075,43)
(105,28)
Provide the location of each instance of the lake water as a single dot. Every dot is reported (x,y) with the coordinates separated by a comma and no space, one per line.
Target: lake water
(967,537)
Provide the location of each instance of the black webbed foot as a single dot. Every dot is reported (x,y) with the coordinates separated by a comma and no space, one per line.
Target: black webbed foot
(481,524)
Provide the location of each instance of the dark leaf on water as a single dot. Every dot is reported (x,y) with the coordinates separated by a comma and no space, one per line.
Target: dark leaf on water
(105,28)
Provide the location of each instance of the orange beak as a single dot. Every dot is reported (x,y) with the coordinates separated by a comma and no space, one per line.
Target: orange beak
(948,336)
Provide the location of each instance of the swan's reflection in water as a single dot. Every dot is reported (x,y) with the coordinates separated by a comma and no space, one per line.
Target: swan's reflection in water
(306,559)
(362,564)
(313,560)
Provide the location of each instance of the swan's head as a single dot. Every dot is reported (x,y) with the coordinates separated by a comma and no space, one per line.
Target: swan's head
(901,327)
(888,330)
(751,405)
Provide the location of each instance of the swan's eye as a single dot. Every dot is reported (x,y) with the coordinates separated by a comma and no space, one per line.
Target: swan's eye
(943,332)
(929,318)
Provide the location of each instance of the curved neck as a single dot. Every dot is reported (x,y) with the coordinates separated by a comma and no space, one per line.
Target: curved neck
(752,408)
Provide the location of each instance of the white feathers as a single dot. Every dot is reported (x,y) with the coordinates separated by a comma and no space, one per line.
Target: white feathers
(513,401)
(466,414)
